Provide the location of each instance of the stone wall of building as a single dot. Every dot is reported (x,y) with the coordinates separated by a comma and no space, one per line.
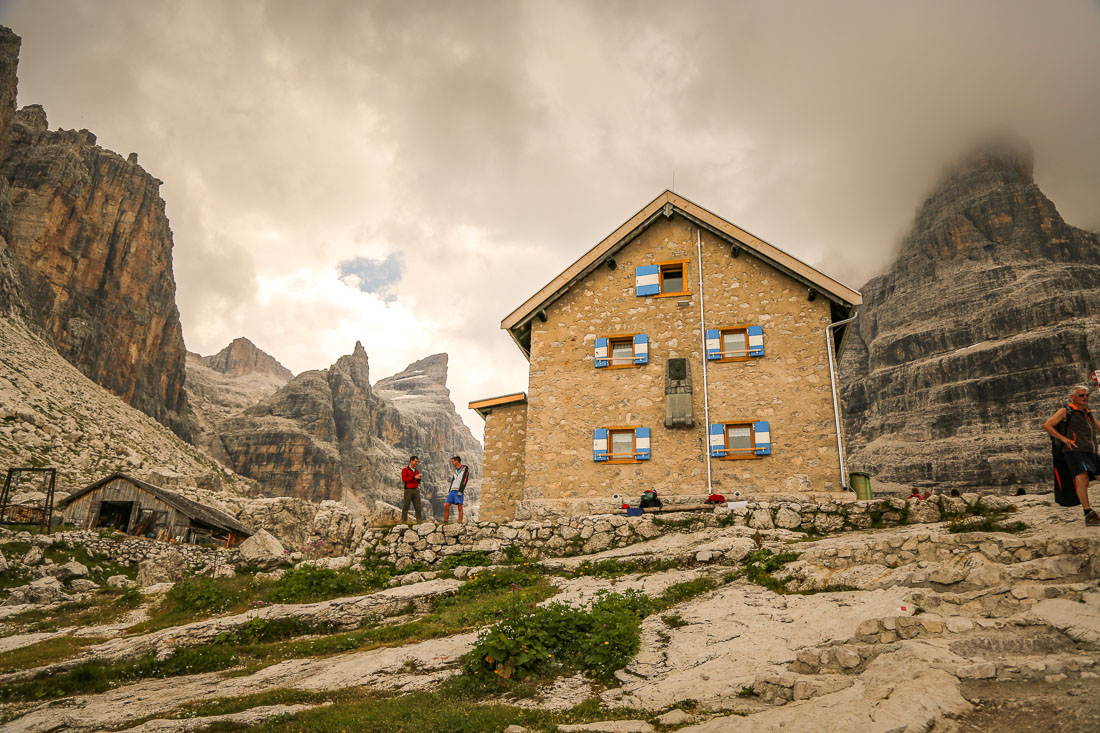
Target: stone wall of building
(789,386)
(502,472)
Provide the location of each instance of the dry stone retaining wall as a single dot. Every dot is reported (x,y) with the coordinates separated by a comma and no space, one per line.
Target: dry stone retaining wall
(428,543)
(133,550)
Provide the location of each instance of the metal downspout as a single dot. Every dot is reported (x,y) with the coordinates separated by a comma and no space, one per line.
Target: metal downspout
(703,352)
(836,402)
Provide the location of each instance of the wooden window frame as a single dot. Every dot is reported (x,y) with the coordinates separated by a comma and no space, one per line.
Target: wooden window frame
(632,429)
(620,337)
(726,441)
(722,331)
(661,266)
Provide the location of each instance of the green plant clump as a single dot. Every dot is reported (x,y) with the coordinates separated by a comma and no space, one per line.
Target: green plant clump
(200,594)
(310,583)
(488,580)
(472,559)
(599,640)
(761,563)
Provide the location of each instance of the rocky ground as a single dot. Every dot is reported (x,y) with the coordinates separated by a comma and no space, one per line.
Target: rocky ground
(52,415)
(912,628)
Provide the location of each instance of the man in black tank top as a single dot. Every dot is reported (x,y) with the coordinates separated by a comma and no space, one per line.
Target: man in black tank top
(1079,437)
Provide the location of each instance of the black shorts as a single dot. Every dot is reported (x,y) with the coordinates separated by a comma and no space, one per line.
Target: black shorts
(1082,462)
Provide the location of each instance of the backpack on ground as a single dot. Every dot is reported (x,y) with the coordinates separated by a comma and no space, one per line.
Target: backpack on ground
(650,500)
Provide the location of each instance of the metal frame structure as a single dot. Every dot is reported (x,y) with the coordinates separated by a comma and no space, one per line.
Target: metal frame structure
(46,513)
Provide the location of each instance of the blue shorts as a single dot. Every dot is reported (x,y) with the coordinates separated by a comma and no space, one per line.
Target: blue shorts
(454,497)
(1079,461)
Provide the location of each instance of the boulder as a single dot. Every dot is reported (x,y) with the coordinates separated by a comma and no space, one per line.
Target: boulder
(33,557)
(3,563)
(83,585)
(261,549)
(119,581)
(40,591)
(71,569)
(787,518)
(43,540)
(167,568)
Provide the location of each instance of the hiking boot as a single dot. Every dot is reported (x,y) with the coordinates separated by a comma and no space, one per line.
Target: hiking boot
(1092,519)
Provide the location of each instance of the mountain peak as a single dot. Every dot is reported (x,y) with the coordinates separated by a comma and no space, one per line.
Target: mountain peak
(243,357)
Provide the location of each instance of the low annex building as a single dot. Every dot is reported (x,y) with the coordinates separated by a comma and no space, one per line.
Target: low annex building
(681,354)
(138,508)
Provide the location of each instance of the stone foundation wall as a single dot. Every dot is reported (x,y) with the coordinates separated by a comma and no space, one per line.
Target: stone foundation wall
(428,543)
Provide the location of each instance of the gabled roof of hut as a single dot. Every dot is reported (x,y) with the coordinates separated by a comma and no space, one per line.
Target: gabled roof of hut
(193,509)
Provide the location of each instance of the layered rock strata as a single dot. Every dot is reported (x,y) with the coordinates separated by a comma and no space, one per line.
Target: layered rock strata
(90,229)
(974,336)
(328,435)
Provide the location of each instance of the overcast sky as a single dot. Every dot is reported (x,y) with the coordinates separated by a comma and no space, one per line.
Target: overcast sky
(407,173)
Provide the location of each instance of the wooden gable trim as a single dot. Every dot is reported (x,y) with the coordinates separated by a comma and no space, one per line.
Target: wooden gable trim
(517,323)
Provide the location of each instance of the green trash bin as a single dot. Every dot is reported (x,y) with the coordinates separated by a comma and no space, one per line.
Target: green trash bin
(860,482)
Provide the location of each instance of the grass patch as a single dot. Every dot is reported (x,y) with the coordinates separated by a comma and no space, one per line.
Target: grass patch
(674,621)
(43,652)
(759,566)
(987,524)
(472,559)
(195,597)
(519,577)
(98,676)
(613,568)
(104,606)
(458,705)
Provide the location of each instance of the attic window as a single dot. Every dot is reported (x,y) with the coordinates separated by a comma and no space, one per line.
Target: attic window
(673,280)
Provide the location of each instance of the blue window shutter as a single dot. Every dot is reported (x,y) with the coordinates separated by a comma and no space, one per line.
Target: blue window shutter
(714,344)
(756,340)
(717,433)
(601,352)
(763,435)
(641,444)
(641,349)
(647,280)
(599,444)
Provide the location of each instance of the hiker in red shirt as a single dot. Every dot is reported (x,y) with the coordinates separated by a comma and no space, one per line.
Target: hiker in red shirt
(411,478)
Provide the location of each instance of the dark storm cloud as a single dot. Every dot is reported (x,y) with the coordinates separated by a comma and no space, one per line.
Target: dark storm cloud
(487,145)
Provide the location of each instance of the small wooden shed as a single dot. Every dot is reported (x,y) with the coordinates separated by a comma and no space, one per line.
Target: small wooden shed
(138,508)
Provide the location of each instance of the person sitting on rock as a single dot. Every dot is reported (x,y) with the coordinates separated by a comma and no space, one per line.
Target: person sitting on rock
(458,488)
(1078,435)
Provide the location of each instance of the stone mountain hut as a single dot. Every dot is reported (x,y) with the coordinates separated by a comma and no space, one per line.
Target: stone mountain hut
(138,508)
(681,354)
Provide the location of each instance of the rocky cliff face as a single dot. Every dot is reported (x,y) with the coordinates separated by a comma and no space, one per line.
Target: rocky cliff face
(328,435)
(87,256)
(242,357)
(89,228)
(974,336)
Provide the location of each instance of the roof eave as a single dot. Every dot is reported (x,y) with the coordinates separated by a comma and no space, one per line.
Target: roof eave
(516,321)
